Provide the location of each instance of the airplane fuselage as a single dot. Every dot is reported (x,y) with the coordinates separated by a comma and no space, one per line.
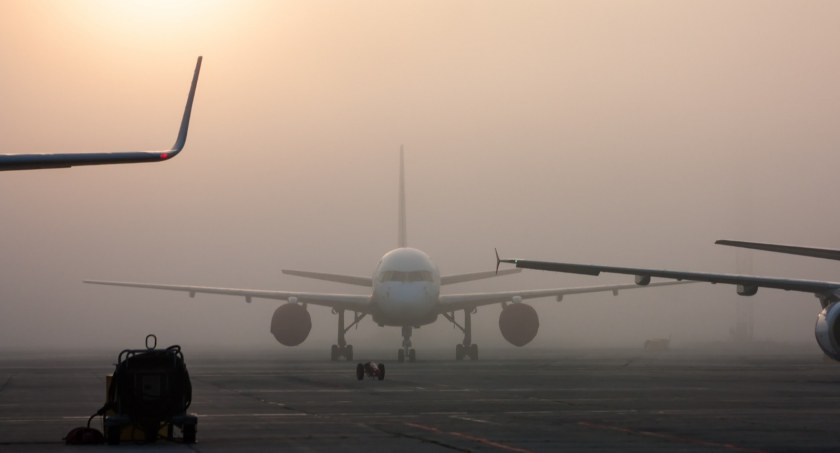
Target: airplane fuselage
(406,289)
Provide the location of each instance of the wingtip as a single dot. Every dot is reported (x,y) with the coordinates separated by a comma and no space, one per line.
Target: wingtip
(185,120)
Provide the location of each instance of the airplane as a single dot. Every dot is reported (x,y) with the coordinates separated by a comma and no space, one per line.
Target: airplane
(52,160)
(405,292)
(826,330)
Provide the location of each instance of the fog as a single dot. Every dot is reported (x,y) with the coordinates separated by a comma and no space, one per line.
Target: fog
(625,133)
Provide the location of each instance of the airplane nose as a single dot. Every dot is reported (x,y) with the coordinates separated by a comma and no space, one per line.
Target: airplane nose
(406,303)
(406,294)
(408,298)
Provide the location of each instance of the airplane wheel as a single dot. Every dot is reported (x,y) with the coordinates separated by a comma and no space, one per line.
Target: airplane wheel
(112,435)
(474,351)
(348,352)
(401,356)
(334,352)
(412,355)
(381,371)
(360,371)
(459,352)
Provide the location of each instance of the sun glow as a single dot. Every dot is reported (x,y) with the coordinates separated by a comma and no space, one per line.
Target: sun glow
(150,19)
(164,12)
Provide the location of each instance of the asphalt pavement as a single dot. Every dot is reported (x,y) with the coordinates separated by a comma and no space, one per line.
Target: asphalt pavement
(574,400)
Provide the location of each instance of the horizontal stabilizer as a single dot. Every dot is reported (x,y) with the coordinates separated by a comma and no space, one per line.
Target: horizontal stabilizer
(460,278)
(828,254)
(348,279)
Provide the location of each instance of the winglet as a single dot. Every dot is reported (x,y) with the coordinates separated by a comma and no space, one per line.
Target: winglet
(499,261)
(185,121)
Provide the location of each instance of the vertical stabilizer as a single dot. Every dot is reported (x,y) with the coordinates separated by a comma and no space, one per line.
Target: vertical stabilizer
(402,239)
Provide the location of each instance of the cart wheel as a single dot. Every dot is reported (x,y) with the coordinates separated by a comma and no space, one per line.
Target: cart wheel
(189,434)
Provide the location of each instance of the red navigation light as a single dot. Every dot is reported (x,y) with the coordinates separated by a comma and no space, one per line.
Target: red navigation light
(164,156)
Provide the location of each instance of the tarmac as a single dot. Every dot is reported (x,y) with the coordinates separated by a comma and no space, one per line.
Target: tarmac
(520,401)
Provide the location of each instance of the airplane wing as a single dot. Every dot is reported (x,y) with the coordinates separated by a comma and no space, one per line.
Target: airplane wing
(454,302)
(37,161)
(747,284)
(352,302)
(339,278)
(459,278)
(368,282)
(828,254)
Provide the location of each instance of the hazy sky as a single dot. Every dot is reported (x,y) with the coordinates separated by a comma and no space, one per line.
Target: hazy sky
(618,132)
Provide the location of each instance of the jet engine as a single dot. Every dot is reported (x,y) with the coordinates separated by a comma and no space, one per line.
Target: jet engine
(827,330)
(746,290)
(519,323)
(291,324)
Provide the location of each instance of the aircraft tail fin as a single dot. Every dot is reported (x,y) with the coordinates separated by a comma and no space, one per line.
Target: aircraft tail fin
(402,239)
(829,254)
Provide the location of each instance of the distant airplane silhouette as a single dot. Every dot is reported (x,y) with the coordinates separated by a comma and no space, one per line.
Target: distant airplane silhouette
(405,292)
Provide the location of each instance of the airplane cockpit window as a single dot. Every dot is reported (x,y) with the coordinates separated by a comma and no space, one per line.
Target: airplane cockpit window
(398,276)
(419,276)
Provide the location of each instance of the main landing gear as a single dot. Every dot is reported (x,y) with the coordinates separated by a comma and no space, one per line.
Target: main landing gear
(467,348)
(342,349)
(407,352)
(337,352)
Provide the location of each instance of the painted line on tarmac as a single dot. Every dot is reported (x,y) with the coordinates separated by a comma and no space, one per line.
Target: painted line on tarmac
(670,437)
(480,440)
(476,420)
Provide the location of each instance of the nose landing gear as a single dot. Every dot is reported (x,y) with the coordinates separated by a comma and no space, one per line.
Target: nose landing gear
(407,352)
